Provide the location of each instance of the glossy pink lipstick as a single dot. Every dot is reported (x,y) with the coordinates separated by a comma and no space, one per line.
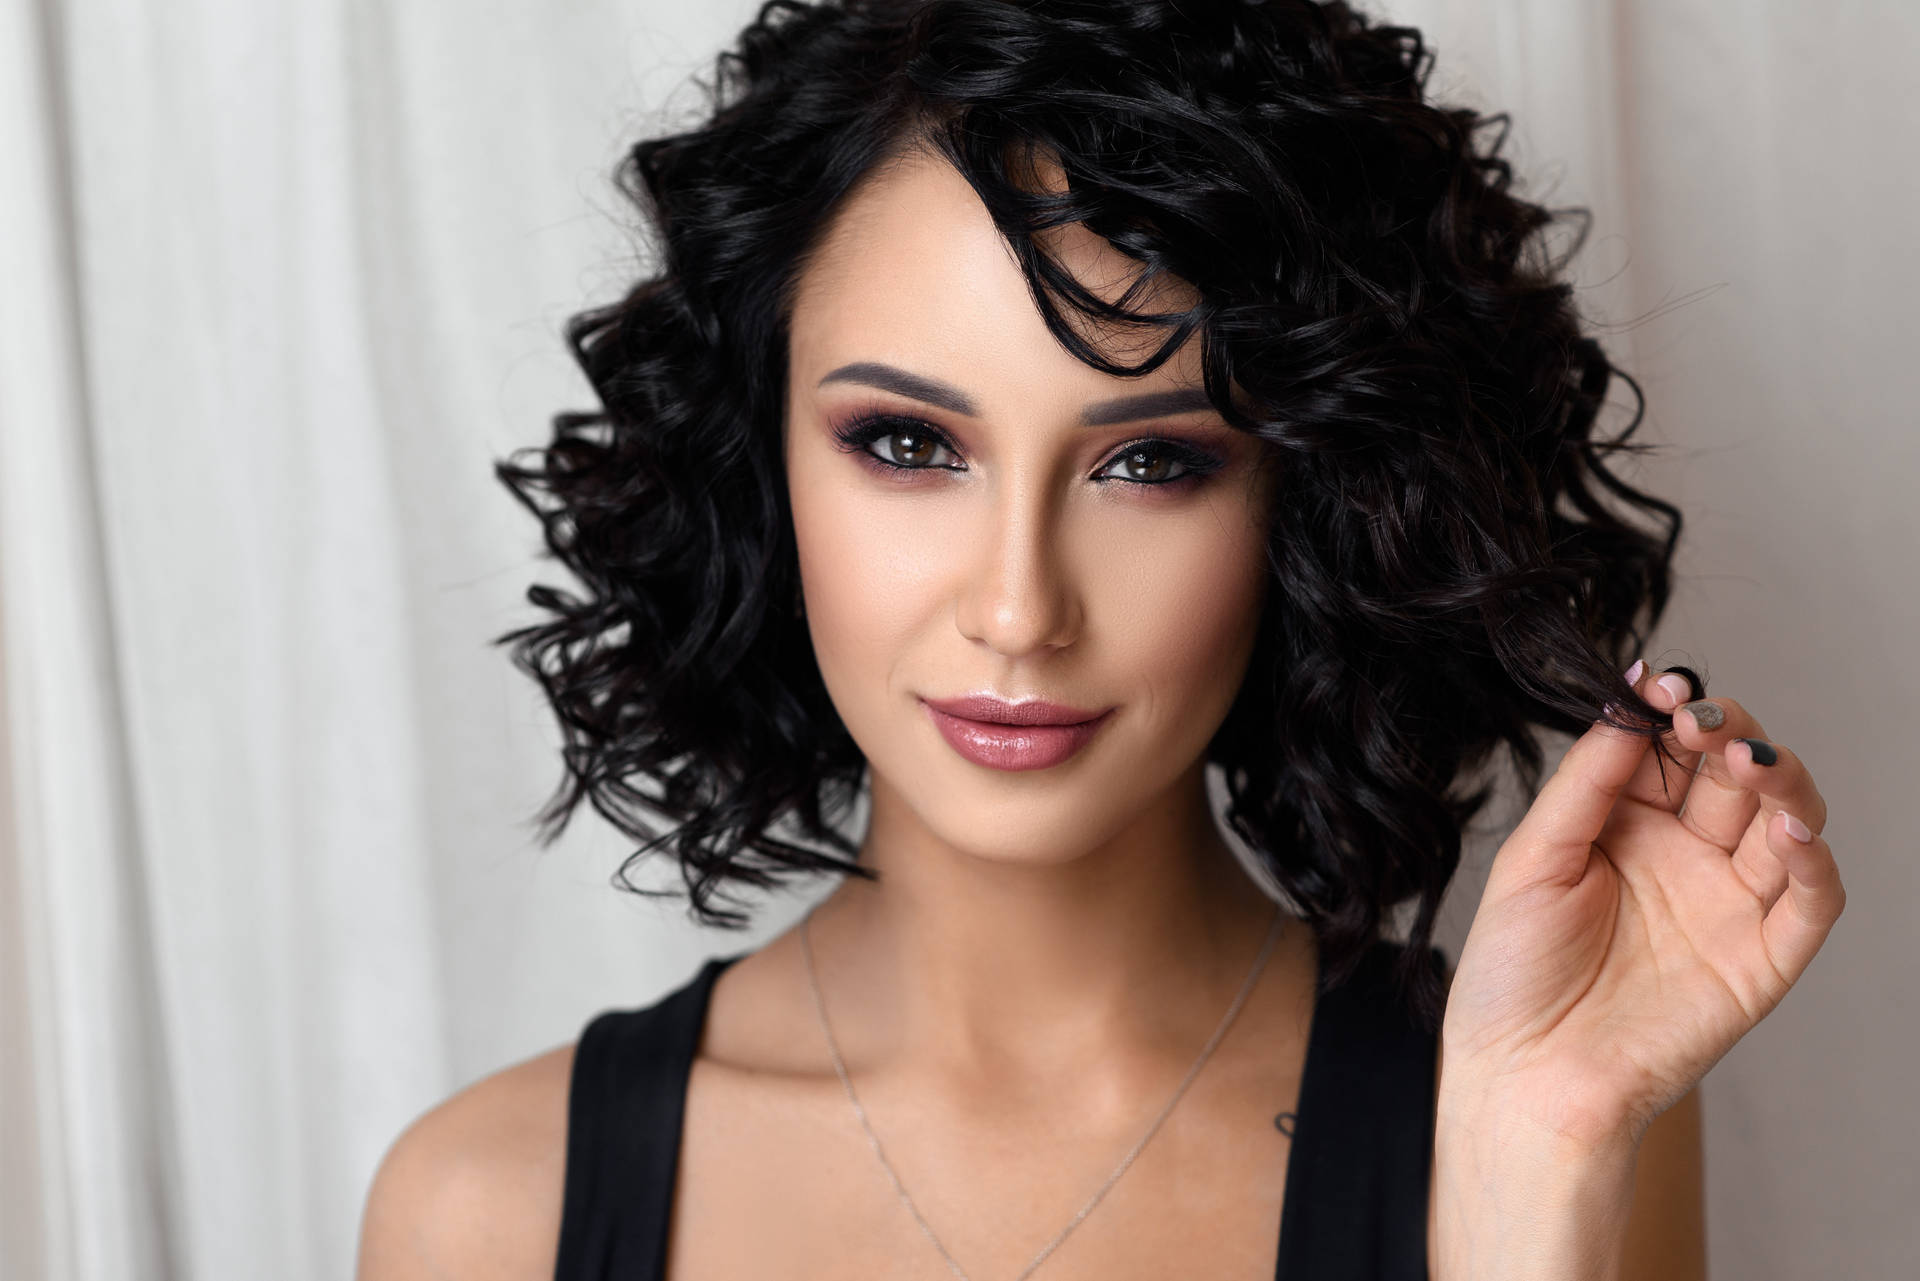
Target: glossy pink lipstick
(1013,736)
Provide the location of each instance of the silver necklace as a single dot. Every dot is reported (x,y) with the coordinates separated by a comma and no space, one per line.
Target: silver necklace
(873,1140)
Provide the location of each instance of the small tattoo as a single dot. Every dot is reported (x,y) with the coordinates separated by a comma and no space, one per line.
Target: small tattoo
(1284,1123)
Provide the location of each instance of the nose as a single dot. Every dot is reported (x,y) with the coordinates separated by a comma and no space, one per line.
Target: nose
(1020,596)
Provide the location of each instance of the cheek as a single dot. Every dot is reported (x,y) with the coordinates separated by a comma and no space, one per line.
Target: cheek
(1191,607)
(871,563)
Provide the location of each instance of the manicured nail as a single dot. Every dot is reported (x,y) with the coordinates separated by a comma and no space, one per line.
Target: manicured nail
(1797,830)
(1707,715)
(1635,672)
(1676,687)
(1763,753)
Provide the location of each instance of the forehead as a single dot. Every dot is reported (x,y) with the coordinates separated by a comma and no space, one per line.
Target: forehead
(912,271)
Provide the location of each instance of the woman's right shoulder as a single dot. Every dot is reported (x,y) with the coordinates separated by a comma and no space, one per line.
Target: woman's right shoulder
(473,1187)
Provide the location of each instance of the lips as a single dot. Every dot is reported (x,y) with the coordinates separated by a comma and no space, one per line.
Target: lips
(1013,736)
(997,711)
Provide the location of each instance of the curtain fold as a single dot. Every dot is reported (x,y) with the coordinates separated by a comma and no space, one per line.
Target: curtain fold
(215,780)
(88,1162)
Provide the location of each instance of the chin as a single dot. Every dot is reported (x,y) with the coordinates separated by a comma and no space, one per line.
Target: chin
(1027,824)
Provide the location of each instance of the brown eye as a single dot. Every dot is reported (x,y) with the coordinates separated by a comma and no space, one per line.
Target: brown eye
(916,451)
(1158,462)
(898,443)
(1146,465)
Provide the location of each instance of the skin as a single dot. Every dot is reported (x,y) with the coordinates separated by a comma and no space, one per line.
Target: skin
(1634,927)
(1046,951)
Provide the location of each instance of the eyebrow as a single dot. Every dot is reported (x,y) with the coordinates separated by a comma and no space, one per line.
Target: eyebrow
(1101,413)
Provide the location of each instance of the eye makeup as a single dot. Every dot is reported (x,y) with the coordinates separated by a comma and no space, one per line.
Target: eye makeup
(857,432)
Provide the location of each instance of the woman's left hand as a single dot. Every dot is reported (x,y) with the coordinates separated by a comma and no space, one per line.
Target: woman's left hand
(1634,928)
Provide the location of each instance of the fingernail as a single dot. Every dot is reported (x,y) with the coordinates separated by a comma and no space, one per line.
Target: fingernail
(1676,686)
(1797,830)
(1763,753)
(1635,672)
(1707,715)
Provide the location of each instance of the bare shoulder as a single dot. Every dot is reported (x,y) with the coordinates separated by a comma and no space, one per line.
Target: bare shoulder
(472,1189)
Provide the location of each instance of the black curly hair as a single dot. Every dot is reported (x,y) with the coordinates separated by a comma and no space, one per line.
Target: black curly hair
(1454,562)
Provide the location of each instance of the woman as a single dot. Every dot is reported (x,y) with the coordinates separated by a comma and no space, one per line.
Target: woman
(1039,403)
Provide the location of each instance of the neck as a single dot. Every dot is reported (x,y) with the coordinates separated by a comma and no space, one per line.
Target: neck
(1001,964)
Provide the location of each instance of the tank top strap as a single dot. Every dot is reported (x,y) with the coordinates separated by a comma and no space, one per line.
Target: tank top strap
(625,1106)
(1357,1178)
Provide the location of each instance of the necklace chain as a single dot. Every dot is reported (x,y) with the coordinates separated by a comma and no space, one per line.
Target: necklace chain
(873,1140)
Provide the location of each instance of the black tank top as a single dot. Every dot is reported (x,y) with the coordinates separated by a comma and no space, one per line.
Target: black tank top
(1355,1207)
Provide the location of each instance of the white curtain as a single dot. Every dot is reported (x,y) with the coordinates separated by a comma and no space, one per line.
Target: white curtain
(279,281)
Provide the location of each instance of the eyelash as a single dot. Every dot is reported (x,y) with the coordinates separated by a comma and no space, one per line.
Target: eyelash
(862,429)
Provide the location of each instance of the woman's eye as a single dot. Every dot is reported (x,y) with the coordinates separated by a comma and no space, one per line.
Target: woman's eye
(894,443)
(1149,464)
(907,447)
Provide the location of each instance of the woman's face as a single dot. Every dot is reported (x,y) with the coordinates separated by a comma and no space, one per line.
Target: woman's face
(1018,525)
